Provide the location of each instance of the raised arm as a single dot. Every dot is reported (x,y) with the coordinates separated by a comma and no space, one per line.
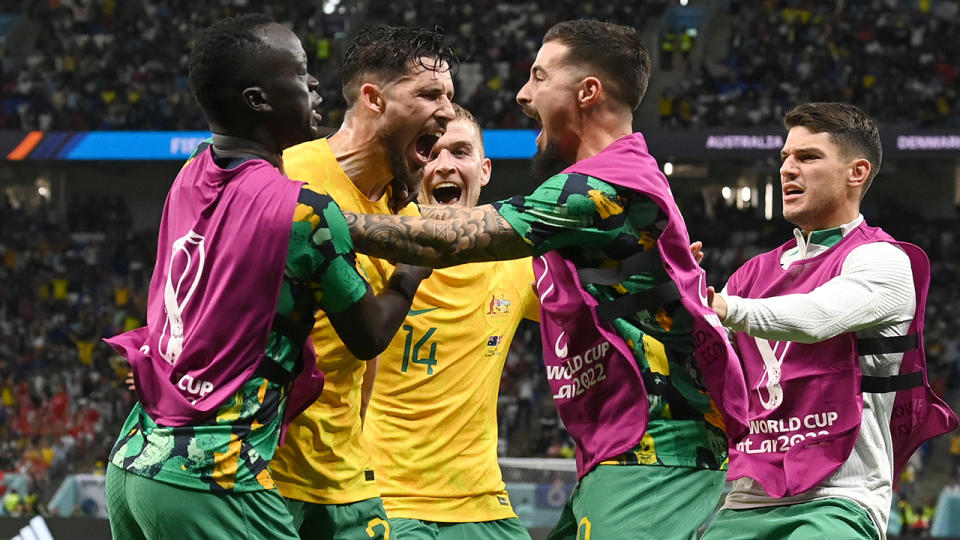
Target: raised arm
(466,235)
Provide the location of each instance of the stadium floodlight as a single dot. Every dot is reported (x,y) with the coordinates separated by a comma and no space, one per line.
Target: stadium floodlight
(668,168)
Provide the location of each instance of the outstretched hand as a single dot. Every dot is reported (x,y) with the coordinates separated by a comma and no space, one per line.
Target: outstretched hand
(717,302)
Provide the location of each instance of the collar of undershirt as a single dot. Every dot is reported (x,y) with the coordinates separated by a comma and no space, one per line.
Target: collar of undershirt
(818,242)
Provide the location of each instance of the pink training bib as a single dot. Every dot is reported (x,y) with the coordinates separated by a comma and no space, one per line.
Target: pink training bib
(805,400)
(596,383)
(223,234)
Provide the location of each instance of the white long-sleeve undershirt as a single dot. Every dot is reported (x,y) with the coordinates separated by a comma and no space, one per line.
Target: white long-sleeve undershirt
(875,287)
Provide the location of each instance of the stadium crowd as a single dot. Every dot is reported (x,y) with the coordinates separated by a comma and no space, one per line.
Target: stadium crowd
(110,65)
(122,65)
(898,61)
(61,392)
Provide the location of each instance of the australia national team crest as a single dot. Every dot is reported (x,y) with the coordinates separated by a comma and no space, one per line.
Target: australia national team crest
(499,305)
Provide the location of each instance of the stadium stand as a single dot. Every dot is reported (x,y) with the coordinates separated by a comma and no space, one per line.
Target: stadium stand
(896,60)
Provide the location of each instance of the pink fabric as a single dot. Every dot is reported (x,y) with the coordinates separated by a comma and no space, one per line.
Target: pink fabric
(608,416)
(223,234)
(596,383)
(805,404)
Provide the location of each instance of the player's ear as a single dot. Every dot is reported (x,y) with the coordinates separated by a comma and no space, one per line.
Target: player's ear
(485,167)
(256,99)
(859,172)
(589,94)
(371,97)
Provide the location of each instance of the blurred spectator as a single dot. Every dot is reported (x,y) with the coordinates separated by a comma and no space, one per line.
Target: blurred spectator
(896,60)
(61,396)
(103,64)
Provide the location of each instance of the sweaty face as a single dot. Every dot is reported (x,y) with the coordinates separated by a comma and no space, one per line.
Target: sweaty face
(417,109)
(550,98)
(813,178)
(291,92)
(457,169)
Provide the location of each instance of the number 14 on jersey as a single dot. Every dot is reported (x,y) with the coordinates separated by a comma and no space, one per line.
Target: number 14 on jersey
(411,350)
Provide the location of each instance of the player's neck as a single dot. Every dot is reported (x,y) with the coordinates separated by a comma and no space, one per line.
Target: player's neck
(362,157)
(233,146)
(600,131)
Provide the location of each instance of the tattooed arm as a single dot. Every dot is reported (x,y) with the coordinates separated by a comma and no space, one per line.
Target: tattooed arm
(466,235)
(439,211)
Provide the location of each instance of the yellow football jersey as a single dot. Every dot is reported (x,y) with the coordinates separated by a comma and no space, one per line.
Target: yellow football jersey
(431,425)
(324,459)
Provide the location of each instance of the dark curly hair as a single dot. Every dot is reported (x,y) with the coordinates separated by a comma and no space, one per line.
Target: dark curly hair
(216,62)
(386,52)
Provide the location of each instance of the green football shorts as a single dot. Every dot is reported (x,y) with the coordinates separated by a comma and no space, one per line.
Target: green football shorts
(361,520)
(142,508)
(500,529)
(639,502)
(823,519)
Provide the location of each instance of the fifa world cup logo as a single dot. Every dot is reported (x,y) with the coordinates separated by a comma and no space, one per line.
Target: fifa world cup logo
(183,276)
(772,360)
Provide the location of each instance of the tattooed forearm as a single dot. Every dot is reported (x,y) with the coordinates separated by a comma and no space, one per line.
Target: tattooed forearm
(439,211)
(468,235)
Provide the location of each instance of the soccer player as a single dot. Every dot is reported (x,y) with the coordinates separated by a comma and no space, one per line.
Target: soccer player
(431,425)
(245,258)
(829,327)
(626,331)
(398,88)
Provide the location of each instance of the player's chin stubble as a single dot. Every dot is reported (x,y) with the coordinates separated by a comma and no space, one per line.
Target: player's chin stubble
(548,162)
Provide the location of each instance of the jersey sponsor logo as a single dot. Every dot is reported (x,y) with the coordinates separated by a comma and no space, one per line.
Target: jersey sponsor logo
(503,500)
(772,355)
(493,341)
(415,312)
(184,272)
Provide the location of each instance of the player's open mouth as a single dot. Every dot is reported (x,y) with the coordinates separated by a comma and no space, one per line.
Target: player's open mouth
(315,110)
(447,193)
(424,145)
(792,190)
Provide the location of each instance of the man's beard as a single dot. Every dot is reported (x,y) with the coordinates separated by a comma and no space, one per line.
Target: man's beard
(548,162)
(406,182)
